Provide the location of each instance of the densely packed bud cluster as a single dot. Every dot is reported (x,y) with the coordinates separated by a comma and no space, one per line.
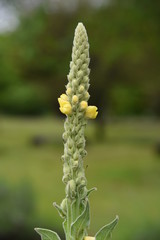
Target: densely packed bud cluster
(75,105)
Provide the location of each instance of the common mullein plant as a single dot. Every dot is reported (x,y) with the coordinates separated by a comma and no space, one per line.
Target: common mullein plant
(74,209)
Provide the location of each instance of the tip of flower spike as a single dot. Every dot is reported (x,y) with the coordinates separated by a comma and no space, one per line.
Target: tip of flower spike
(80,27)
(80,24)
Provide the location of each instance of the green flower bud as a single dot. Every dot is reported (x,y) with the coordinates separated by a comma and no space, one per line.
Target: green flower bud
(75,164)
(66,169)
(64,205)
(80,74)
(64,136)
(76,156)
(71,188)
(81,89)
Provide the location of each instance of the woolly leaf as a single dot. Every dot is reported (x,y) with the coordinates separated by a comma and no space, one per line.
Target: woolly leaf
(47,234)
(60,210)
(91,190)
(106,232)
(79,226)
(65,226)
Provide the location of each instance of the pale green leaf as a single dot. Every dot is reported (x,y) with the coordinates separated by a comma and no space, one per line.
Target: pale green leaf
(106,232)
(65,226)
(47,234)
(91,190)
(60,210)
(79,226)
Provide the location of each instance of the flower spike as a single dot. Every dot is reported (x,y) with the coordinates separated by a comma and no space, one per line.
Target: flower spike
(74,208)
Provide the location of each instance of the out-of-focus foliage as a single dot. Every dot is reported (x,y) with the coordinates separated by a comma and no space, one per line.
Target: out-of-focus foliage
(16,210)
(125,55)
(125,170)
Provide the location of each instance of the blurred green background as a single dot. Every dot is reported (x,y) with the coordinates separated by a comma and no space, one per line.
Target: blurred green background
(123,143)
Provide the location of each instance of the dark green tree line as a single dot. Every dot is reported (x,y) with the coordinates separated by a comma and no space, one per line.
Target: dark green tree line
(124,49)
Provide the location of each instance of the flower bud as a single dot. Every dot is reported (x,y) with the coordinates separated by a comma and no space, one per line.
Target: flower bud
(81,88)
(80,177)
(64,97)
(70,188)
(74,68)
(84,66)
(66,169)
(65,178)
(78,62)
(70,142)
(72,185)
(83,57)
(80,74)
(69,91)
(83,192)
(74,99)
(75,83)
(83,183)
(70,76)
(64,205)
(83,105)
(75,156)
(64,136)
(77,53)
(86,79)
(75,164)
(87,96)
(71,64)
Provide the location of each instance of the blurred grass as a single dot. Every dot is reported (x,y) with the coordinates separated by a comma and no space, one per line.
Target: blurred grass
(125,169)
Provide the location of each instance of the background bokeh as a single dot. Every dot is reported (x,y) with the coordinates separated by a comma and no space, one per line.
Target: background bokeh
(123,143)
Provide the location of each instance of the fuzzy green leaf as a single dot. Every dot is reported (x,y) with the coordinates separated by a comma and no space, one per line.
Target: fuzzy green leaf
(65,226)
(91,190)
(47,234)
(79,226)
(60,210)
(106,232)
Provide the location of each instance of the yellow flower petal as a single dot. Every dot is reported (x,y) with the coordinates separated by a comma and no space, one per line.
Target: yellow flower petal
(83,105)
(89,238)
(65,106)
(62,102)
(91,112)
(66,109)
(64,97)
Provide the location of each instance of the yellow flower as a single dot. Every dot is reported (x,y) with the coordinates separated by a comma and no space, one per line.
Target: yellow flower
(83,105)
(65,106)
(91,112)
(89,238)
(64,97)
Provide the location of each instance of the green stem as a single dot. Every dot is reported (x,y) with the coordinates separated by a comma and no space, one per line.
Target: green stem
(77,207)
(69,219)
